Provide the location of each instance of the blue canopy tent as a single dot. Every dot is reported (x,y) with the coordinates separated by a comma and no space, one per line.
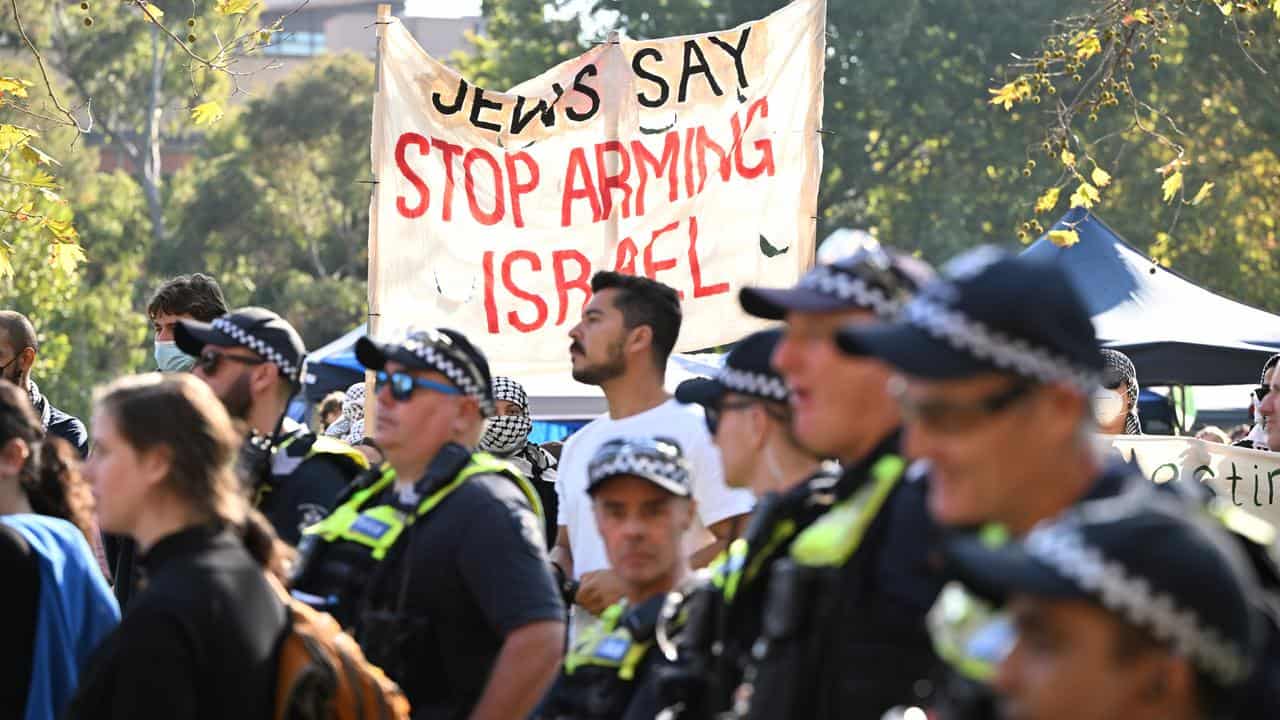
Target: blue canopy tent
(1176,332)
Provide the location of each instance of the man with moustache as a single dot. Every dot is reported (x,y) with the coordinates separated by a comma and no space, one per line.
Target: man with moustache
(627,332)
(18,349)
(252,358)
(844,621)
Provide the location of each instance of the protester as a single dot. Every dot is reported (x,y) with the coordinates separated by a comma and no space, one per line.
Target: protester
(855,589)
(1240,432)
(627,332)
(1213,434)
(1115,402)
(330,409)
(506,436)
(18,350)
(1267,409)
(640,494)
(1000,363)
(59,604)
(1129,607)
(749,418)
(199,638)
(437,563)
(185,297)
(252,358)
(1257,437)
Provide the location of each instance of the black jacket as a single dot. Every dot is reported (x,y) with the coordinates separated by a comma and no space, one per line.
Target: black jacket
(198,641)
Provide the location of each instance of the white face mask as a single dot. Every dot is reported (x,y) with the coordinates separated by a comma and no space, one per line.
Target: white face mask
(1107,405)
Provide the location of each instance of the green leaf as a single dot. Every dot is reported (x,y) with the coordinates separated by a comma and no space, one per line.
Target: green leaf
(12,136)
(6,266)
(207,113)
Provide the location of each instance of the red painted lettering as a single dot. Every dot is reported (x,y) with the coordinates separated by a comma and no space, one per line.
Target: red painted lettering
(625,260)
(490,302)
(668,166)
(412,138)
(765,146)
(608,182)
(581,281)
(494,188)
(575,188)
(653,267)
(705,143)
(518,188)
(695,266)
(537,302)
(450,151)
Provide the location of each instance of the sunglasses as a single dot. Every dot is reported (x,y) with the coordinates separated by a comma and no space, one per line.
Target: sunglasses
(209,360)
(950,417)
(1261,392)
(713,413)
(403,385)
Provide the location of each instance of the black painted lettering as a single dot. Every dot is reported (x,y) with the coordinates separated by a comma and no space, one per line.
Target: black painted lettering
(1235,478)
(520,122)
(587,90)
(690,69)
(664,89)
(1172,474)
(735,53)
(457,101)
(479,105)
(1271,486)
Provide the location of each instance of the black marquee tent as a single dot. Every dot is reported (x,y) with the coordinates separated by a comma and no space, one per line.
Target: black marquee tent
(1176,332)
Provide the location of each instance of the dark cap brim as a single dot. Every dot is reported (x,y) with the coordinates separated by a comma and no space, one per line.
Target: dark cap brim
(192,335)
(775,303)
(910,350)
(675,488)
(700,391)
(997,573)
(375,355)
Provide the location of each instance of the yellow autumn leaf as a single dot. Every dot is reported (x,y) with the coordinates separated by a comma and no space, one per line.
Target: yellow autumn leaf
(233,7)
(206,113)
(12,136)
(1047,201)
(1085,196)
(6,267)
(16,87)
(66,255)
(1100,177)
(1064,238)
(1010,93)
(1141,15)
(1171,186)
(1202,194)
(1226,7)
(1087,44)
(1068,158)
(36,156)
(62,230)
(156,13)
(42,179)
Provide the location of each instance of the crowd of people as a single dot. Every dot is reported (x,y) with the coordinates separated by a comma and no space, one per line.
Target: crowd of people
(894,503)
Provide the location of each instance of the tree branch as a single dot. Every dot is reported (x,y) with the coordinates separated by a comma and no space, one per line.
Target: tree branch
(44,73)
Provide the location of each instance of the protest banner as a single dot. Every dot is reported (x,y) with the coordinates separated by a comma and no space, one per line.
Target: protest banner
(693,160)
(1246,478)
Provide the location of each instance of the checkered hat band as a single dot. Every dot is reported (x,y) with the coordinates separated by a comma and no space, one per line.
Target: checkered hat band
(1063,549)
(1013,354)
(460,372)
(504,388)
(848,288)
(769,387)
(256,344)
(645,465)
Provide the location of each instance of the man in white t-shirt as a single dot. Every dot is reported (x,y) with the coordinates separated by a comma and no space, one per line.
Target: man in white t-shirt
(627,332)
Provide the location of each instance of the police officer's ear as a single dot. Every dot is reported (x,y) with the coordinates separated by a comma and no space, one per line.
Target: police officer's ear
(468,424)
(263,377)
(686,507)
(1059,410)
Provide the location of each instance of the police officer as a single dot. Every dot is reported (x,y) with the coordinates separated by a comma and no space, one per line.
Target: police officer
(746,411)
(641,496)
(1125,607)
(252,358)
(844,617)
(437,562)
(1000,363)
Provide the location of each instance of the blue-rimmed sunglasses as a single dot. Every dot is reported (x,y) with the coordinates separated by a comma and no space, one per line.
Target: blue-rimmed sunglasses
(403,385)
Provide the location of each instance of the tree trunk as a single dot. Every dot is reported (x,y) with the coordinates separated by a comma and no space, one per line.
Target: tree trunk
(151,165)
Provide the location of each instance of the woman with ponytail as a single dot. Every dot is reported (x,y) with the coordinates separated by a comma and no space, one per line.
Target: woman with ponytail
(59,603)
(198,640)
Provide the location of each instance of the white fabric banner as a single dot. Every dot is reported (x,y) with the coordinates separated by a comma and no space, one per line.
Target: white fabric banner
(1246,478)
(693,160)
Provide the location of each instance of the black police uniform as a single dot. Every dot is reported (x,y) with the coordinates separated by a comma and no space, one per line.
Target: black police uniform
(433,606)
(299,480)
(199,640)
(844,620)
